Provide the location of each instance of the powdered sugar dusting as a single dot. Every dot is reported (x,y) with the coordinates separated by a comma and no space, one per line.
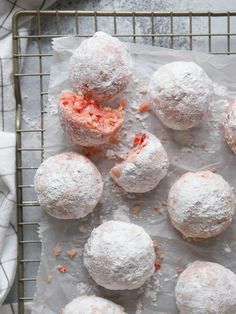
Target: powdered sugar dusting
(206,287)
(101,67)
(201,204)
(68,186)
(144,167)
(181,93)
(92,305)
(119,255)
(229,126)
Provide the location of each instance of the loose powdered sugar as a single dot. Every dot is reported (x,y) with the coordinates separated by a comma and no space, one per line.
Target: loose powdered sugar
(92,305)
(119,255)
(180,93)
(206,287)
(201,204)
(68,186)
(144,168)
(101,67)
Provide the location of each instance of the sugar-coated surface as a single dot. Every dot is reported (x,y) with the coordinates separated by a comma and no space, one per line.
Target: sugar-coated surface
(119,255)
(206,288)
(201,204)
(101,67)
(229,126)
(144,168)
(68,186)
(92,305)
(180,93)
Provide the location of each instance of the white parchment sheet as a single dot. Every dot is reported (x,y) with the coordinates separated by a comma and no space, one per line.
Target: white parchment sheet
(199,148)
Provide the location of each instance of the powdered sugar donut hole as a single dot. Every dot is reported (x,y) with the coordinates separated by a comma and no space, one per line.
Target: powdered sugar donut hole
(180,94)
(68,186)
(146,165)
(119,255)
(101,67)
(205,287)
(201,205)
(229,126)
(92,305)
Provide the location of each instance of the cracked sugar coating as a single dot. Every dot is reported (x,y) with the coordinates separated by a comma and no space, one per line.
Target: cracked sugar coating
(101,67)
(119,255)
(201,204)
(206,288)
(92,305)
(180,93)
(229,126)
(68,186)
(146,165)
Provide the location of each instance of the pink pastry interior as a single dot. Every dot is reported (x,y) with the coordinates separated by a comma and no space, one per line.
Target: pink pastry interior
(139,142)
(91,113)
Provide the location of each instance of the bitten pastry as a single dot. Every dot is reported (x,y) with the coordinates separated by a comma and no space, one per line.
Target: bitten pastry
(86,122)
(205,287)
(101,67)
(68,186)
(201,205)
(119,255)
(92,305)
(146,165)
(229,126)
(180,94)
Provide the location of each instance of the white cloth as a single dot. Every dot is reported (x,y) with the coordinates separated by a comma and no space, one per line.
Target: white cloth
(7,118)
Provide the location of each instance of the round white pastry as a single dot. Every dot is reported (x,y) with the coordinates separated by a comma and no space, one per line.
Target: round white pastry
(180,94)
(101,67)
(201,204)
(146,165)
(229,126)
(92,305)
(119,255)
(206,288)
(68,186)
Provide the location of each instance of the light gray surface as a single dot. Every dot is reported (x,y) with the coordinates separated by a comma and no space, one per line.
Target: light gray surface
(116,5)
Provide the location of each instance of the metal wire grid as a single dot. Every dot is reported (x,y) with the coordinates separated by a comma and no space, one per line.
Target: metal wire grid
(25,166)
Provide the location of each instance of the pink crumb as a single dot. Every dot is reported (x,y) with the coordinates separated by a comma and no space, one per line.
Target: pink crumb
(62,268)
(57,250)
(72,253)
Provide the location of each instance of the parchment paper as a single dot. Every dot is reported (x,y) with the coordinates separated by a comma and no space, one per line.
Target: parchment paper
(199,148)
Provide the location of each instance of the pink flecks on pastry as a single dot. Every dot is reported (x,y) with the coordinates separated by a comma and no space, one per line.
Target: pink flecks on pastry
(86,122)
(146,165)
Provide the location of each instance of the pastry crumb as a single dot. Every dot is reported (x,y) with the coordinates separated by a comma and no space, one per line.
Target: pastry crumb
(71,253)
(57,250)
(62,268)
(136,209)
(155,243)
(144,107)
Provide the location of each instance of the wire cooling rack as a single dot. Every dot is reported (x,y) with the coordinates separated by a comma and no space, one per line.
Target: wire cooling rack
(156,28)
